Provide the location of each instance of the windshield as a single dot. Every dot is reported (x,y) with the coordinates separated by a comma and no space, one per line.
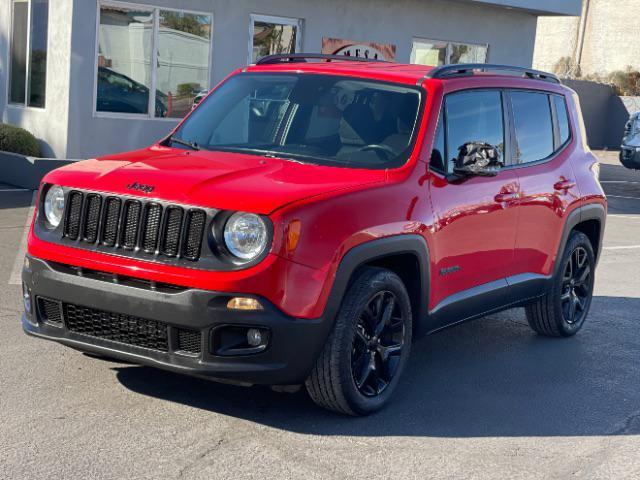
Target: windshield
(318,119)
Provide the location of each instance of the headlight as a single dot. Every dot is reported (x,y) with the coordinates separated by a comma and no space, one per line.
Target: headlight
(245,235)
(54,205)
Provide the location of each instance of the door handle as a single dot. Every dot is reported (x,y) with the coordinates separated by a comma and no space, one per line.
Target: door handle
(564,185)
(506,197)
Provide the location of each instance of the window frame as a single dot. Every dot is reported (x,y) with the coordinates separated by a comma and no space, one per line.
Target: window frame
(508,140)
(155,11)
(27,71)
(558,147)
(449,49)
(290,21)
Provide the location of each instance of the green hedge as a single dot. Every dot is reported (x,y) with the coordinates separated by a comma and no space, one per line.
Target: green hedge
(18,140)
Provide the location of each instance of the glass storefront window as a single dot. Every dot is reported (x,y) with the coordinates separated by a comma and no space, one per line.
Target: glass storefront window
(38,52)
(124,60)
(431,53)
(153,61)
(27,80)
(436,53)
(273,35)
(183,60)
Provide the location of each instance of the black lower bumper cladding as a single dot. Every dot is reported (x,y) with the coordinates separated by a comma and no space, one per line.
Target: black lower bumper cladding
(170,329)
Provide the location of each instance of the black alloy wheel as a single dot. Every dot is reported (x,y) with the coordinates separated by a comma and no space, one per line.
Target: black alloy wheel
(377,344)
(576,286)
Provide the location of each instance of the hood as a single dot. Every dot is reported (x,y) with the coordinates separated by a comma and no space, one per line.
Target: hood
(221,180)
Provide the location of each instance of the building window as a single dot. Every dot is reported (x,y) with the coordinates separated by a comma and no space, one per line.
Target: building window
(273,35)
(151,61)
(28,77)
(435,52)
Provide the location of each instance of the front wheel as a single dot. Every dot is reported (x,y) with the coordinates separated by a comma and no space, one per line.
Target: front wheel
(561,312)
(364,356)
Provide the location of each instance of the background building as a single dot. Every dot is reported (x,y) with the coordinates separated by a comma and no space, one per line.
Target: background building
(90,77)
(602,40)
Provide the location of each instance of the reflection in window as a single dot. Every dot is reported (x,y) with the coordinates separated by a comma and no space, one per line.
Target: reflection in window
(17,87)
(474,117)
(432,53)
(311,118)
(272,35)
(563,118)
(38,52)
(435,53)
(127,69)
(183,60)
(124,60)
(27,80)
(533,124)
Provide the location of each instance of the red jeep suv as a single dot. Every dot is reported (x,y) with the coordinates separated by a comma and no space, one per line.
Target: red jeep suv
(315,214)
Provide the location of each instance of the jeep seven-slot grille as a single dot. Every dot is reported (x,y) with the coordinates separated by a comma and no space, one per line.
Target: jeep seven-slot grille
(129,224)
(118,327)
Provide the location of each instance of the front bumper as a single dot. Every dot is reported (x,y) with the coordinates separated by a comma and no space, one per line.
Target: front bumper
(630,157)
(294,344)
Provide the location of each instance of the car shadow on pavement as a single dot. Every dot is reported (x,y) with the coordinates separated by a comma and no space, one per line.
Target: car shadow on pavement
(492,377)
(622,187)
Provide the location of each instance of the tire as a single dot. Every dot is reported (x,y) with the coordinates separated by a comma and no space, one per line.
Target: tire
(368,348)
(562,311)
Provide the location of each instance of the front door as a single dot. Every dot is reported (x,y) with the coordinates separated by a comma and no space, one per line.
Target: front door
(476,218)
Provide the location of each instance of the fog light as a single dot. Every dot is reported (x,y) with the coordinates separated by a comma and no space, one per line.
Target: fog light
(27,263)
(26,297)
(254,337)
(244,303)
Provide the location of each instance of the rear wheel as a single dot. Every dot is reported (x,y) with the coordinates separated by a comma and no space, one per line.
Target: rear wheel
(564,308)
(364,356)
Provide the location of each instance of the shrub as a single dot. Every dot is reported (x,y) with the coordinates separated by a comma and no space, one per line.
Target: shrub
(18,140)
(188,89)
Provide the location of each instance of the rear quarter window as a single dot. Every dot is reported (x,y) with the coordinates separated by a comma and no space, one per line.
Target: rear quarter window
(533,124)
(563,118)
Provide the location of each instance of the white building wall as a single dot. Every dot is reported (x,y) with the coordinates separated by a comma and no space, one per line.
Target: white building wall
(51,123)
(611,41)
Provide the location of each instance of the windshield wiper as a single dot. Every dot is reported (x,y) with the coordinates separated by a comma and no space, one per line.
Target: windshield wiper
(186,143)
(290,157)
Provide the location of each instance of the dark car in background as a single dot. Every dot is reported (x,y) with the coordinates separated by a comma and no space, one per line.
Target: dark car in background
(630,149)
(119,93)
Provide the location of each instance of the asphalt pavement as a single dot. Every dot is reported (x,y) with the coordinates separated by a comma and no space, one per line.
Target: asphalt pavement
(486,399)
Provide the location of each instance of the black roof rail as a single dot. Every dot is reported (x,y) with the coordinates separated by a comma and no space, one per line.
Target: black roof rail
(463,69)
(305,57)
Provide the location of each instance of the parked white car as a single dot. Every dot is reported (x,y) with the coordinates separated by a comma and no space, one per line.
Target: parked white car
(630,149)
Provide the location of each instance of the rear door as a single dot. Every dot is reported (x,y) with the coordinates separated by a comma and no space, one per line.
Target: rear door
(542,149)
(476,219)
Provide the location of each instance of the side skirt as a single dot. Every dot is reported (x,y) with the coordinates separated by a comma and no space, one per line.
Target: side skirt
(492,297)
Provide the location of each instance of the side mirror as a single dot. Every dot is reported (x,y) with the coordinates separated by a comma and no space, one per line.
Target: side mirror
(478,159)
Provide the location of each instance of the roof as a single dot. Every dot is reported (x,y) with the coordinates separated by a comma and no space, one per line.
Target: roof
(394,72)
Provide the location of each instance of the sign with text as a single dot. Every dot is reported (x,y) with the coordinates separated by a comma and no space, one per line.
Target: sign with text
(353,48)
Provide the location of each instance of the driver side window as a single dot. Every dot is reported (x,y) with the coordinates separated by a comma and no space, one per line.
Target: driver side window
(473,116)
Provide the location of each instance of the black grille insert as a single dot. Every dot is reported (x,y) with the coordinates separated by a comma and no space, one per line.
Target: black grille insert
(195,224)
(111,221)
(92,218)
(135,225)
(116,327)
(74,211)
(131,222)
(189,341)
(153,216)
(50,311)
(171,231)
